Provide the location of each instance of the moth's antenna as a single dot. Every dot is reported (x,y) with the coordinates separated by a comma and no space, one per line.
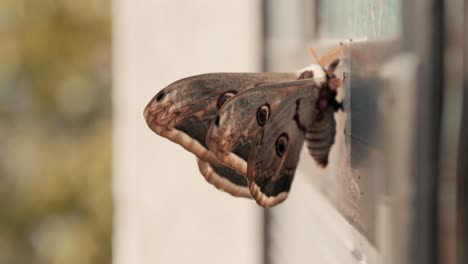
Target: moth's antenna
(331,55)
(314,56)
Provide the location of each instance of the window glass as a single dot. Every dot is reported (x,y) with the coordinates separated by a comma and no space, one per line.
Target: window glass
(360,19)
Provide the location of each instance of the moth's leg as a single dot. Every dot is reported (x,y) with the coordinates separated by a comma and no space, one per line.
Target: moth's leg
(344,76)
(337,105)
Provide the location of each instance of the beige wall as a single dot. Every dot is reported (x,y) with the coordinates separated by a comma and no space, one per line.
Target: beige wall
(165,212)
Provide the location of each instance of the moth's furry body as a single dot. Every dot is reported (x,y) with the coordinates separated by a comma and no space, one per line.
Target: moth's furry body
(318,73)
(247,129)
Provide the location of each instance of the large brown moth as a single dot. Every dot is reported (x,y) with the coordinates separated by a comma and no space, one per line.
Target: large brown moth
(247,129)
(184,110)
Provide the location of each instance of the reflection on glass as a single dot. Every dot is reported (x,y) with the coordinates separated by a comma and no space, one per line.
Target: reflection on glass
(360,19)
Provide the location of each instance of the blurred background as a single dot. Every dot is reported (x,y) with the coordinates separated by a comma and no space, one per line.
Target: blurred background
(55,131)
(84,180)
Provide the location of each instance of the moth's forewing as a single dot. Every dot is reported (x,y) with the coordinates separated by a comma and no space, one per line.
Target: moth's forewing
(183,111)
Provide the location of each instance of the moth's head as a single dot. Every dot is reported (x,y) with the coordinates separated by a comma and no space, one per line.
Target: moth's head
(329,62)
(333,82)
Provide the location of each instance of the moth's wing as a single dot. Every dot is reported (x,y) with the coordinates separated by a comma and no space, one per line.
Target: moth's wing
(224,178)
(243,144)
(276,148)
(320,136)
(183,111)
(230,135)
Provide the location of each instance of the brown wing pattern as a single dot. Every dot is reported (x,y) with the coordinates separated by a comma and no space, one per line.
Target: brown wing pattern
(238,121)
(247,129)
(247,139)
(184,110)
(275,155)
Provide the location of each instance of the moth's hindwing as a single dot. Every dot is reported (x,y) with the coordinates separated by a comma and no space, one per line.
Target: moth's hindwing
(184,110)
(274,158)
(224,178)
(248,126)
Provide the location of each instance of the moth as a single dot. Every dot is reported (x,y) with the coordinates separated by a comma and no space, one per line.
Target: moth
(247,129)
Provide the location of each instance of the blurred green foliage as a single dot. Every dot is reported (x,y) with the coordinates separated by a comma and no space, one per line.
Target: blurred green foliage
(55,137)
